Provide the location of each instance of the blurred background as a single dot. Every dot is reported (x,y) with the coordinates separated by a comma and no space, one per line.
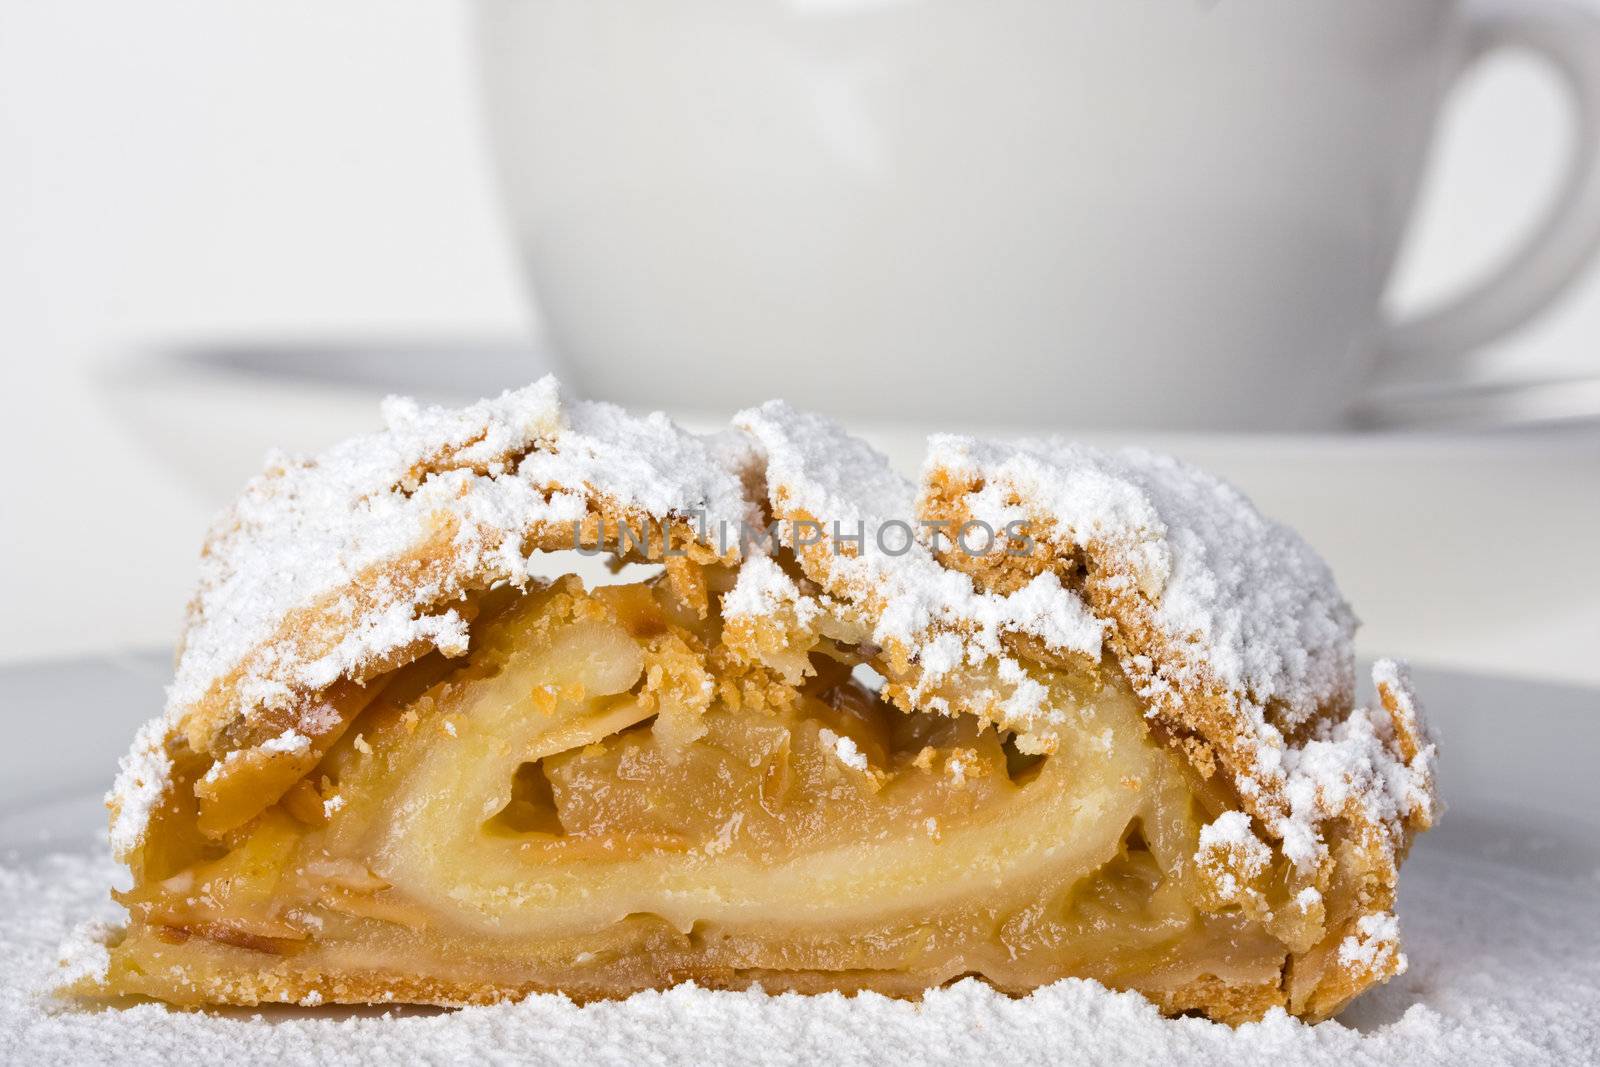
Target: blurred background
(231,226)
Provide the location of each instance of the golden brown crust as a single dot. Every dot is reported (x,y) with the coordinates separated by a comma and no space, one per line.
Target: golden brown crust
(276,708)
(286,984)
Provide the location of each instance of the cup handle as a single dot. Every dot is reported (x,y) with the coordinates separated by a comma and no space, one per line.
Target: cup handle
(1552,257)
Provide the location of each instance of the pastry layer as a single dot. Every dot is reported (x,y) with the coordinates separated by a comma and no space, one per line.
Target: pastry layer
(1119,740)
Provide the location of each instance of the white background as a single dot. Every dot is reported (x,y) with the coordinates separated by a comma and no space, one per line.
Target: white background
(199,172)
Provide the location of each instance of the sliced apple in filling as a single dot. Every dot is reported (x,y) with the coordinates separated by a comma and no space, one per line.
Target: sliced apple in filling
(605,795)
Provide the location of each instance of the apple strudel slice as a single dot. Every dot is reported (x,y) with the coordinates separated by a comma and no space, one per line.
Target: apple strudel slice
(1054,712)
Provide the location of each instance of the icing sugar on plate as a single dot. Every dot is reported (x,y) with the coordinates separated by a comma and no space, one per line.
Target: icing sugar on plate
(1505,968)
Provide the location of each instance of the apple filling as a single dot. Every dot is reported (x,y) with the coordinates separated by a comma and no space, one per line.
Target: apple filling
(603,796)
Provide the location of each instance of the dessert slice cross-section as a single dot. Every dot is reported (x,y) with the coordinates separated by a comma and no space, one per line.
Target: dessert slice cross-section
(1051,713)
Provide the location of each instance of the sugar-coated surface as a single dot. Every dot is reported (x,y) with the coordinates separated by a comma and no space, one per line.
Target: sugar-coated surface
(763,589)
(141,779)
(1244,600)
(844,483)
(1268,619)
(1260,606)
(1505,970)
(309,526)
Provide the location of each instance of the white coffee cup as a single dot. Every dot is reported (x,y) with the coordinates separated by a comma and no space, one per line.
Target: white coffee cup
(1103,213)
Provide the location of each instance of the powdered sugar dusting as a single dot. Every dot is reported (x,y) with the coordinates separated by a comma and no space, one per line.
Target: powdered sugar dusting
(290,741)
(1229,848)
(83,954)
(762,588)
(1231,832)
(814,467)
(1376,940)
(1353,762)
(1257,605)
(141,779)
(844,748)
(308,529)
(311,526)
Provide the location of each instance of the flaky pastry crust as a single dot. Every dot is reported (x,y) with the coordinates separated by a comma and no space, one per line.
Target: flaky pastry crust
(333,572)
